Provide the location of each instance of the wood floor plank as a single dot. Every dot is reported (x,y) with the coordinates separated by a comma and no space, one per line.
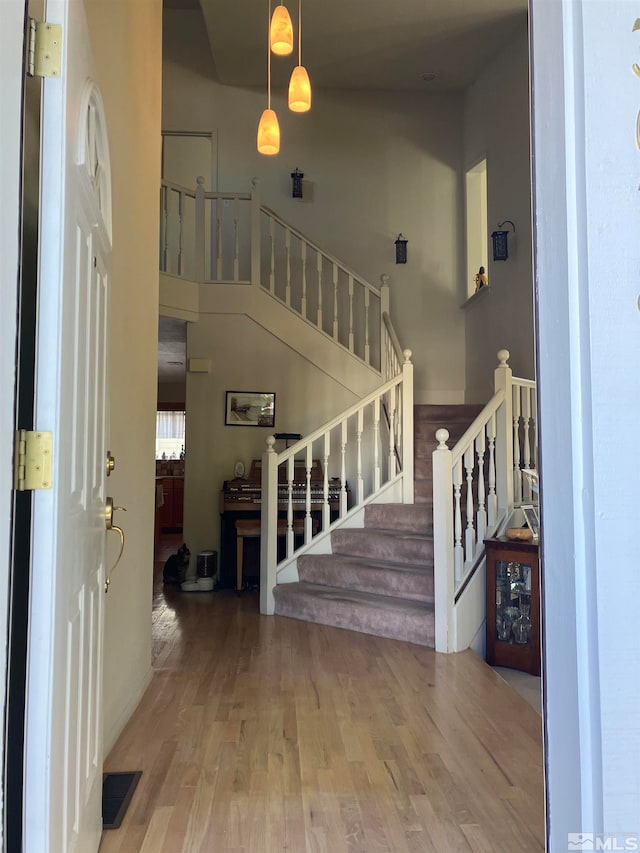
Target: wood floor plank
(264,734)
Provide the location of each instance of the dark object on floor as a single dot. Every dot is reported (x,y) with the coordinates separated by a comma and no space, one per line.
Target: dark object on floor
(117,791)
(175,569)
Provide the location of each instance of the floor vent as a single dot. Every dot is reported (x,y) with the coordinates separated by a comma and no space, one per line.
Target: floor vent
(117,791)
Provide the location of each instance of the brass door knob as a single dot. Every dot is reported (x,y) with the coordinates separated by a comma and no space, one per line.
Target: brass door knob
(111,463)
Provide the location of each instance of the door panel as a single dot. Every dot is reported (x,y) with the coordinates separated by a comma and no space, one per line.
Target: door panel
(64,701)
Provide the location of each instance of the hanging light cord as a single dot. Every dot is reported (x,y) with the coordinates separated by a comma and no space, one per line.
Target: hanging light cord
(299,32)
(269,58)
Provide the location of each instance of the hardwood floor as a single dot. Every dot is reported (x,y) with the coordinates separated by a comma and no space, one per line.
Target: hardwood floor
(263,734)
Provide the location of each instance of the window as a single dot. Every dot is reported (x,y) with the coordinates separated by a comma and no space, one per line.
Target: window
(477,231)
(170,427)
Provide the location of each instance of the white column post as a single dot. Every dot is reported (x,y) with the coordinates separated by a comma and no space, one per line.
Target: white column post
(407,428)
(504,435)
(255,233)
(443,573)
(384,309)
(269,528)
(200,230)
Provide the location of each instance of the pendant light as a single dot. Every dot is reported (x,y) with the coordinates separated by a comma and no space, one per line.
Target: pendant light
(299,84)
(281,32)
(268,128)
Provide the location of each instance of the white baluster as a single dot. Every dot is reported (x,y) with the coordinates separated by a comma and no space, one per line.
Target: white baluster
(458,551)
(350,313)
(376,444)
(526,446)
(290,475)
(200,230)
(319,271)
(256,234)
(470,533)
(492,501)
(517,475)
(219,246)
(392,427)
(326,509)
(359,478)
(272,259)
(287,250)
(180,233)
(164,247)
(303,255)
(481,515)
(407,430)
(308,525)
(534,405)
(335,301)
(367,348)
(343,469)
(236,246)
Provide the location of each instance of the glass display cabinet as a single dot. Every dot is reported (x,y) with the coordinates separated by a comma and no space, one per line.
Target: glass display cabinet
(513,604)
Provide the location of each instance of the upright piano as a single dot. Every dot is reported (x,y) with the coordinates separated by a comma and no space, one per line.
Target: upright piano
(241,498)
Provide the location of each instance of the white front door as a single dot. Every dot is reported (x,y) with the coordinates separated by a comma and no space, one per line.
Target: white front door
(63,752)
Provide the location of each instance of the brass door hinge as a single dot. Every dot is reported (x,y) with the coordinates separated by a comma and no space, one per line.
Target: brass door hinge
(45,49)
(33,460)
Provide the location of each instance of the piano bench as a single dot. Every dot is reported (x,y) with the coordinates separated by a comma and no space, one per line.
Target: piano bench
(251,528)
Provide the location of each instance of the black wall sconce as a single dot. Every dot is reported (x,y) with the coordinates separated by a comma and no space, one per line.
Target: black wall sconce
(500,244)
(297,177)
(401,250)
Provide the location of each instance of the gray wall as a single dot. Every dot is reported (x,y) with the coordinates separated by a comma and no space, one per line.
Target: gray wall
(496,126)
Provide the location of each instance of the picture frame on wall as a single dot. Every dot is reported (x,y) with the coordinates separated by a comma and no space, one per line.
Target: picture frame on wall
(250,408)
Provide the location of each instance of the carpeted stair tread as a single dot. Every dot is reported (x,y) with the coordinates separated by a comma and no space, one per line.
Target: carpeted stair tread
(400,547)
(380,577)
(380,615)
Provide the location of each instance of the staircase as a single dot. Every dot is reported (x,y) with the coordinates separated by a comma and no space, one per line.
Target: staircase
(379,578)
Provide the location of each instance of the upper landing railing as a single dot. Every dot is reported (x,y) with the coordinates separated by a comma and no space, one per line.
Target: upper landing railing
(231,238)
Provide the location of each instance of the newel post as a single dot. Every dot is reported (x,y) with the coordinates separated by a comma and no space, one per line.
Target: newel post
(200,230)
(269,528)
(504,434)
(443,557)
(255,233)
(407,428)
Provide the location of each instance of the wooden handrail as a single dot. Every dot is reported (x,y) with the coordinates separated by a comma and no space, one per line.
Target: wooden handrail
(178,188)
(392,335)
(474,430)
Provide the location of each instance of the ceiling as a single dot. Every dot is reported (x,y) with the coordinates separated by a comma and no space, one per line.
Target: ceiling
(401,46)
(364,44)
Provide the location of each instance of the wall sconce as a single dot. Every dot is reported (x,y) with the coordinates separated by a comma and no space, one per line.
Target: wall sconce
(297,177)
(500,245)
(401,250)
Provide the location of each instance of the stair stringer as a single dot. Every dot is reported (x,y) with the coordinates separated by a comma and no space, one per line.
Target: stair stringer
(292,329)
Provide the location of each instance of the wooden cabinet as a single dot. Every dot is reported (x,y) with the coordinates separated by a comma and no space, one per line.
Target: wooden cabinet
(171,513)
(513,605)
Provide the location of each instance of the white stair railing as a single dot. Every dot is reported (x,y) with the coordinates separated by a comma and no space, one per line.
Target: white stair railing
(320,288)
(359,451)
(230,238)
(476,485)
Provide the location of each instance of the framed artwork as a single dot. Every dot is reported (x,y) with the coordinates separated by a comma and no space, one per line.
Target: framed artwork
(250,408)
(532,519)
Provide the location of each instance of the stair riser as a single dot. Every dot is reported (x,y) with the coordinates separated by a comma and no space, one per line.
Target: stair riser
(412,628)
(330,570)
(398,517)
(378,546)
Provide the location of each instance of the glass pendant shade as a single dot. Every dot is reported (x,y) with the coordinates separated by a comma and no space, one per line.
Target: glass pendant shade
(268,133)
(281,32)
(299,90)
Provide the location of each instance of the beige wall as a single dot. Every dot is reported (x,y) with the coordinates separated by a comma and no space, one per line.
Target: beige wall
(497,127)
(375,164)
(305,398)
(126,36)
